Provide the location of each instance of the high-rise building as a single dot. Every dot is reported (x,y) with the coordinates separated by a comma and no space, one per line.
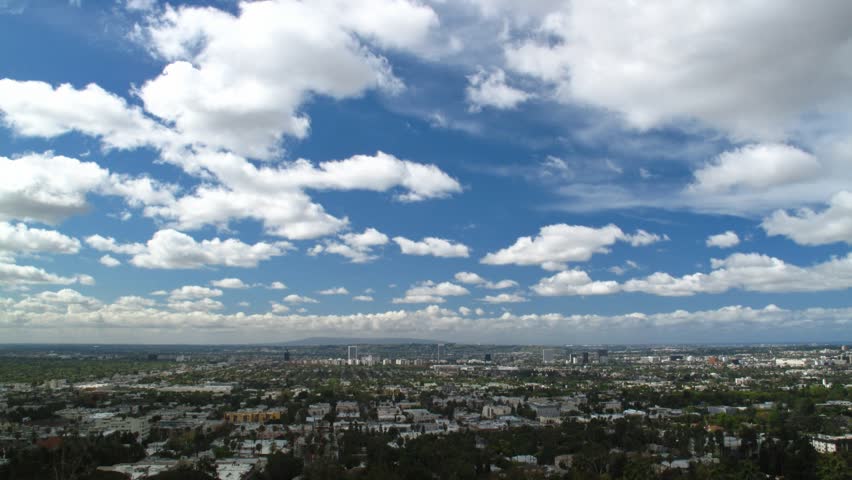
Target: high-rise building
(547,355)
(286,355)
(487,357)
(353,355)
(585,358)
(603,356)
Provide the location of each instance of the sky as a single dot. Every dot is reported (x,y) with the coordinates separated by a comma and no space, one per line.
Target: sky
(485,171)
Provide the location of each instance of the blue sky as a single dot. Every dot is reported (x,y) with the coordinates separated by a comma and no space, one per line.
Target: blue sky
(480,171)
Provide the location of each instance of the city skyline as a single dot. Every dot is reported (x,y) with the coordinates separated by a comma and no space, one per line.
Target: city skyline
(476,171)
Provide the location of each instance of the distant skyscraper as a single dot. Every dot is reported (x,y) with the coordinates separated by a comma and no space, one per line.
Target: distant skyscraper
(286,355)
(603,356)
(440,348)
(547,355)
(487,357)
(353,355)
(585,358)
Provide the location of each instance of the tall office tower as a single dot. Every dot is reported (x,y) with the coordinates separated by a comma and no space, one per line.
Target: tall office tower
(547,355)
(353,355)
(487,357)
(440,347)
(286,355)
(585,358)
(603,356)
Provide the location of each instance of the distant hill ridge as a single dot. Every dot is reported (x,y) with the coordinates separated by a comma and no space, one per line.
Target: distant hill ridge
(319,341)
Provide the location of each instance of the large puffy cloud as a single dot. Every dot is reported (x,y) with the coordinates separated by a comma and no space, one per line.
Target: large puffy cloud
(229,283)
(559,244)
(215,98)
(504,298)
(807,227)
(46,188)
(171,249)
(621,55)
(276,196)
(756,167)
(436,247)
(38,109)
(194,292)
(19,238)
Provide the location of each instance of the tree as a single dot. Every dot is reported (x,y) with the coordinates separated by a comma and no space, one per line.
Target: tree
(833,467)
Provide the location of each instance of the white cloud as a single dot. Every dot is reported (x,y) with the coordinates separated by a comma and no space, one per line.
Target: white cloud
(46,188)
(750,272)
(37,109)
(431,292)
(109,261)
(49,311)
(471,278)
(196,306)
(13,275)
(193,292)
(140,5)
(489,89)
(216,99)
(807,227)
(358,247)
(620,55)
(276,196)
(558,244)
(504,298)
(277,286)
(437,247)
(293,298)
(109,244)
(19,238)
(229,283)
(726,239)
(362,298)
(170,249)
(334,291)
(756,167)
(573,282)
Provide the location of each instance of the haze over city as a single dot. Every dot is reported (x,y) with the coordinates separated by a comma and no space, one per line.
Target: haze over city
(538,172)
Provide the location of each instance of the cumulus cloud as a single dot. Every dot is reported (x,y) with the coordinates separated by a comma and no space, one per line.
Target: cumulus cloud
(471,278)
(431,292)
(109,261)
(109,244)
(193,292)
(807,227)
(750,272)
(13,275)
(170,249)
(46,188)
(620,55)
(574,282)
(70,309)
(436,247)
(726,239)
(504,298)
(215,99)
(362,298)
(276,195)
(489,89)
(229,283)
(757,167)
(21,239)
(357,247)
(334,291)
(37,109)
(556,245)
(277,286)
(293,298)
